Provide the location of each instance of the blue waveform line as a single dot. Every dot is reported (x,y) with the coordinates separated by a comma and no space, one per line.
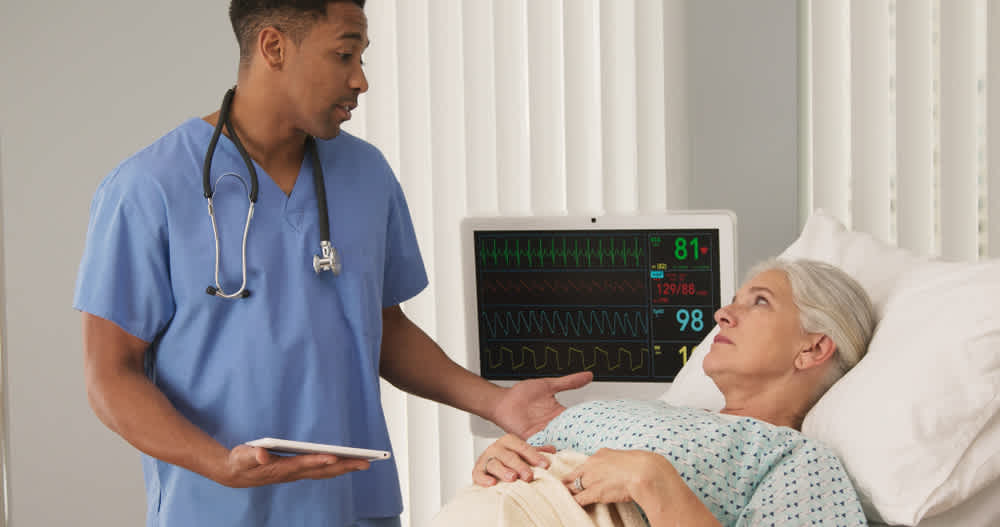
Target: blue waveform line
(565,323)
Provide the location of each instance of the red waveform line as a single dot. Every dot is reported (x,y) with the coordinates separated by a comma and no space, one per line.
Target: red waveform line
(563,286)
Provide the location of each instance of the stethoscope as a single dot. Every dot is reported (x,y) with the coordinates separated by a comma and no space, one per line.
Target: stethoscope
(327,262)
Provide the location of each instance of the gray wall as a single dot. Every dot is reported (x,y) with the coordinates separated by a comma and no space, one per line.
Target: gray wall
(87,83)
(742,95)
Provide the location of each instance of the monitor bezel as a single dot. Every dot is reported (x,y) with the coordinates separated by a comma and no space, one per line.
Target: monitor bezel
(722,220)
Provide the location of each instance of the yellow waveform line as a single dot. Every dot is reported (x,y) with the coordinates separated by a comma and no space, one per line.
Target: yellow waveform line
(496,357)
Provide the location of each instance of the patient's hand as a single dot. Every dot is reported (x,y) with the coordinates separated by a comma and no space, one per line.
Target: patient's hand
(508,459)
(614,476)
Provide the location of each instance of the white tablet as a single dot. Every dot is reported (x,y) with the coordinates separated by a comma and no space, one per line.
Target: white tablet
(285,446)
(625,297)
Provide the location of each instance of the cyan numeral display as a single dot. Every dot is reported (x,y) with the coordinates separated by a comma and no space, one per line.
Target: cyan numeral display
(693,319)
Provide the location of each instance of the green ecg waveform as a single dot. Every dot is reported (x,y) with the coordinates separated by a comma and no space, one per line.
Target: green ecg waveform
(539,253)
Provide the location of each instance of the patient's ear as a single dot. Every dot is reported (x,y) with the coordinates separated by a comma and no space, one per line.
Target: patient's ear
(821,349)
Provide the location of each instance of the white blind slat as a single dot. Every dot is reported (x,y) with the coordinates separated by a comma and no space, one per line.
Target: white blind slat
(480,103)
(871,128)
(583,107)
(548,139)
(830,108)
(618,86)
(513,130)
(993,126)
(447,108)
(915,124)
(959,185)
(651,138)
(418,182)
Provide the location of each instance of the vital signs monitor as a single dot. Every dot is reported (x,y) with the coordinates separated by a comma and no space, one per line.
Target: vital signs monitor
(625,297)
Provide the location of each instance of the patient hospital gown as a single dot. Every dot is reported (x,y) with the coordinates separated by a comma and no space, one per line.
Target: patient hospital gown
(747,472)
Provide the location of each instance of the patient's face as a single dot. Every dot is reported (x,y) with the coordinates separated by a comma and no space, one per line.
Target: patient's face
(759,334)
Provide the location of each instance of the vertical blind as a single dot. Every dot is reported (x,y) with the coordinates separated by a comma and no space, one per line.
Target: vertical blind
(513,107)
(896,119)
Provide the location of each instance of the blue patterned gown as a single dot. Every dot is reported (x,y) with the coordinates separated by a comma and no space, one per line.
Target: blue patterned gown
(747,472)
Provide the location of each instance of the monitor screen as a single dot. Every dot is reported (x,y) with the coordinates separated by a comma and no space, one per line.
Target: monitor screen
(628,305)
(625,297)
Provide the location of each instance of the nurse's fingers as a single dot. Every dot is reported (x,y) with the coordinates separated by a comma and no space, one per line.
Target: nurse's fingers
(252,467)
(332,470)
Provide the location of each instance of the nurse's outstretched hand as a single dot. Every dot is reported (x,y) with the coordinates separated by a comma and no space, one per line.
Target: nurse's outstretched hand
(528,406)
(249,466)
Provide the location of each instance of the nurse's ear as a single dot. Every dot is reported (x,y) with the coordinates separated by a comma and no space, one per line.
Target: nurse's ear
(272,47)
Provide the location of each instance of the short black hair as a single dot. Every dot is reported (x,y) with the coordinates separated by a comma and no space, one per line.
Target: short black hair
(292,17)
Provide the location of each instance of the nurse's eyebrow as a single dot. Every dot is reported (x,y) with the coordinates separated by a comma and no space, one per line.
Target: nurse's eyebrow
(354,35)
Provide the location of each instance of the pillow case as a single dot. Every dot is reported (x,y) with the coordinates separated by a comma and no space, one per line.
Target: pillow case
(916,421)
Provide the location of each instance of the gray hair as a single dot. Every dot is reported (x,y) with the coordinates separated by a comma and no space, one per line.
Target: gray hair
(830,302)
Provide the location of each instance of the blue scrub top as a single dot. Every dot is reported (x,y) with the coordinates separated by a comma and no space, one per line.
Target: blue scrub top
(299,358)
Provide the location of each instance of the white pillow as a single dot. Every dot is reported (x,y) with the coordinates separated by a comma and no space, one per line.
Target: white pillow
(916,422)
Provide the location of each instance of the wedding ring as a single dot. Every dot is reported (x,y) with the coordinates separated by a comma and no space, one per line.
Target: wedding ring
(491,458)
(578,483)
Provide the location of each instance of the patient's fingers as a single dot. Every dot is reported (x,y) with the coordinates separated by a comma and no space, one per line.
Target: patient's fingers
(508,459)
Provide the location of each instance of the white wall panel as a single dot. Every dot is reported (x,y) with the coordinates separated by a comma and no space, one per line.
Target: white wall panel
(916,58)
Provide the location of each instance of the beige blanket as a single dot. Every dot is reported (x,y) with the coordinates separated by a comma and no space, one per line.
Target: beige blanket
(545,502)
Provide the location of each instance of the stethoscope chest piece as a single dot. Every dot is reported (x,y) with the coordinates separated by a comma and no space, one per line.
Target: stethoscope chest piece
(329,261)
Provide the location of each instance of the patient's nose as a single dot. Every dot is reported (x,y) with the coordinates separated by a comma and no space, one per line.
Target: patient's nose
(725,317)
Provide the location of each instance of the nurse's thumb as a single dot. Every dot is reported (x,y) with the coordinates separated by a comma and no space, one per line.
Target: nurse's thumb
(572,381)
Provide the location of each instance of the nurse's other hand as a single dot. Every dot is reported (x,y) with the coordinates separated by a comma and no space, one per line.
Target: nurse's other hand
(248,466)
(507,459)
(528,406)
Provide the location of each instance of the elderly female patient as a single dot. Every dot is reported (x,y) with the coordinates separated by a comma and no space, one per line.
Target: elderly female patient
(792,330)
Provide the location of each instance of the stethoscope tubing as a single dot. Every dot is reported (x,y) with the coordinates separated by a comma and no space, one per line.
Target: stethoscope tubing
(329,260)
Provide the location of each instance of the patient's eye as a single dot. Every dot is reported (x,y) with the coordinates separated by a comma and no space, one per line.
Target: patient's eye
(760,301)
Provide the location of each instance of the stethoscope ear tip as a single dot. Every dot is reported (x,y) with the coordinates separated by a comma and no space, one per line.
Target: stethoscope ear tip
(214,291)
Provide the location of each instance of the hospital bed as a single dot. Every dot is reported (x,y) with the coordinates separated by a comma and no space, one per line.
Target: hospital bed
(916,423)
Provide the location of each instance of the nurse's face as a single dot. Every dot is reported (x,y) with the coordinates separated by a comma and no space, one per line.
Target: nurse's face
(323,75)
(760,334)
